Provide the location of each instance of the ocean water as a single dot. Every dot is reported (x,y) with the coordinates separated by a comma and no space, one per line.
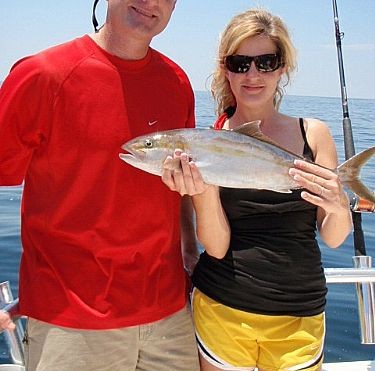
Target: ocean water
(343,337)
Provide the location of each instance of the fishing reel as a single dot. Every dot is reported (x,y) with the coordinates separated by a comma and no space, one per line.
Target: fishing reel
(360,205)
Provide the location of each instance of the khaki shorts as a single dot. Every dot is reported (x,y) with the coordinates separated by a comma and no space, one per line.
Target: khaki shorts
(233,339)
(165,345)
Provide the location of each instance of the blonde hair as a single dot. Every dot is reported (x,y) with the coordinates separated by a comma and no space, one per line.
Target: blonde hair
(251,23)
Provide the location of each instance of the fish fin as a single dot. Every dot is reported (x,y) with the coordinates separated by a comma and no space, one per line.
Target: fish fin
(349,171)
(252,129)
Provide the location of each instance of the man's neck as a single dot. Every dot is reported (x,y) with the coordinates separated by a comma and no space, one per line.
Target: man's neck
(121,46)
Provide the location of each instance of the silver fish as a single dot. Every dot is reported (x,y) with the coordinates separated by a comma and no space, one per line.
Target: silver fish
(239,158)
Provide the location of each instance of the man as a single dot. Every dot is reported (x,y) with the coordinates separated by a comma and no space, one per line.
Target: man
(101,278)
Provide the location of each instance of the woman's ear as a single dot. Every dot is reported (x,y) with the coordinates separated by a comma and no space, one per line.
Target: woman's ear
(222,66)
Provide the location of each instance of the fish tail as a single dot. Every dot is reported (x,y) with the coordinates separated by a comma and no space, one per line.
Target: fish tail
(349,172)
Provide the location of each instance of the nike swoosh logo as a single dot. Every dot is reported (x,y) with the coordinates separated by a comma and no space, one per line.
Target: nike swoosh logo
(152,123)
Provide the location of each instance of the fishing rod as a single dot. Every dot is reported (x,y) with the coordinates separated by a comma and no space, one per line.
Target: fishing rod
(365,291)
(356,203)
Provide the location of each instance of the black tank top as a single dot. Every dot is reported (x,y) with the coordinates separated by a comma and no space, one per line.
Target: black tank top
(273,265)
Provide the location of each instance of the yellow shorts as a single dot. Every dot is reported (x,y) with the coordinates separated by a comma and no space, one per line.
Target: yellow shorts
(233,339)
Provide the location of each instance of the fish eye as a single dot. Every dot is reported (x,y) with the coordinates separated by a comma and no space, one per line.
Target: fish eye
(148,143)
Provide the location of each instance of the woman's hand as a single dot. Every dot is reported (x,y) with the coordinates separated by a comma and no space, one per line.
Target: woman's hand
(185,179)
(323,186)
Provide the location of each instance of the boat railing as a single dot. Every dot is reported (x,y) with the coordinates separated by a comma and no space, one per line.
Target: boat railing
(362,275)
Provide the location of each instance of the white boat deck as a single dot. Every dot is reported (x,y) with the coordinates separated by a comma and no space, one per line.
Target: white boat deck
(350,366)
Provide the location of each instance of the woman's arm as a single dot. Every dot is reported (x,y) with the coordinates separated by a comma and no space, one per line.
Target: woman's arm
(212,226)
(213,230)
(323,186)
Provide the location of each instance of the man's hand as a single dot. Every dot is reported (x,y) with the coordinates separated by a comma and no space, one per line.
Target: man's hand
(5,321)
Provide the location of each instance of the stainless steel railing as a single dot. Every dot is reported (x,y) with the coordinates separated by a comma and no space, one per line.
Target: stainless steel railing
(364,277)
(366,306)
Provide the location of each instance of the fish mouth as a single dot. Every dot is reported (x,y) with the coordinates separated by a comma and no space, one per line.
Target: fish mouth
(131,160)
(126,156)
(137,160)
(135,156)
(132,155)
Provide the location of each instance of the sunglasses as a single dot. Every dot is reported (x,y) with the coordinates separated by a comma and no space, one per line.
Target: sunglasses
(263,63)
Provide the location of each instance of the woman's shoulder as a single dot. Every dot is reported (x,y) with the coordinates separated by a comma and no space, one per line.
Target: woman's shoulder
(316,131)
(321,141)
(316,125)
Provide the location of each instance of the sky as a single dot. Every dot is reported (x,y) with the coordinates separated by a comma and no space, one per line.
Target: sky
(191,38)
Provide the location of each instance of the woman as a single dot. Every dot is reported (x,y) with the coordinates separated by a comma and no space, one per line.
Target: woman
(260,289)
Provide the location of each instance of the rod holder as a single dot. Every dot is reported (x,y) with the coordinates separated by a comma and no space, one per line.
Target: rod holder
(366,302)
(12,338)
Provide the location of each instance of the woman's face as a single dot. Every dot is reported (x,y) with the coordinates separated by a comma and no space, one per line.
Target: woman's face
(255,87)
